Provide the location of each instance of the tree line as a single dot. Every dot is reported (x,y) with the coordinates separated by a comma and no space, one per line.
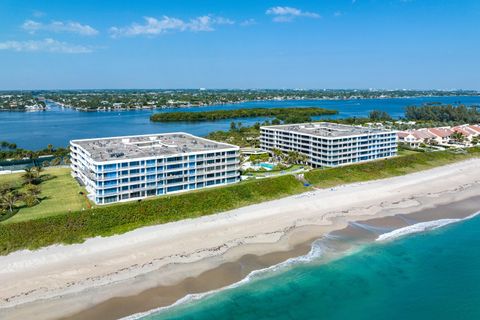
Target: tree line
(11,151)
(280,113)
(443,113)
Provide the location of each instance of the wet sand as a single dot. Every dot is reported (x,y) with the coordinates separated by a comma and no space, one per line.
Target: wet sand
(229,273)
(108,278)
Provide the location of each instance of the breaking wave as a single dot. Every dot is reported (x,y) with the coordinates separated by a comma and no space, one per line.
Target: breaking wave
(315,252)
(420,227)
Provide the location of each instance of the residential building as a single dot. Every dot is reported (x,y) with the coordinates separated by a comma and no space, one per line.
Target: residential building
(329,144)
(439,136)
(134,167)
(442,135)
(414,138)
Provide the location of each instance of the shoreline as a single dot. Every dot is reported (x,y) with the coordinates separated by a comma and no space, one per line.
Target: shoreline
(219,103)
(262,234)
(231,274)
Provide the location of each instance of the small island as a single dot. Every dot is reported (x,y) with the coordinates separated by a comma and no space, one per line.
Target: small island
(283,114)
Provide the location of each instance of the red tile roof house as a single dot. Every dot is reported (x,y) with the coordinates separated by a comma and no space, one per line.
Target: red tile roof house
(464,131)
(415,137)
(474,128)
(442,135)
(408,138)
(468,131)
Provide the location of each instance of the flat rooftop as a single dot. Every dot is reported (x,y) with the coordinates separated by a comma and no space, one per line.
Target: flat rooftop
(327,129)
(153,145)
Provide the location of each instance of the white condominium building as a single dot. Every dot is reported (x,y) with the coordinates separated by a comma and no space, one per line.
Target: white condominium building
(328,144)
(134,167)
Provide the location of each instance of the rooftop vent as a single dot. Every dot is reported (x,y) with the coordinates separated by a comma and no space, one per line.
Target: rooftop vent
(117,154)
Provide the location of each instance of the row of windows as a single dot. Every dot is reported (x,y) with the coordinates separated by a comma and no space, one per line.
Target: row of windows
(153,162)
(160,191)
(159,179)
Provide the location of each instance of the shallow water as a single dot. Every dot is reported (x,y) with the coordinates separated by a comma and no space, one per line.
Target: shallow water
(34,130)
(428,275)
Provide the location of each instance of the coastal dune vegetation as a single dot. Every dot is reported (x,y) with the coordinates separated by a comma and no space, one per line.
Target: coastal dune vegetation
(279,113)
(78,226)
(119,218)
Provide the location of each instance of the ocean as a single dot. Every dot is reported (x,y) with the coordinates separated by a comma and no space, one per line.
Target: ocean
(425,275)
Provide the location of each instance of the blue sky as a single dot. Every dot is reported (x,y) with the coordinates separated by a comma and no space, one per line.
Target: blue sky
(414,44)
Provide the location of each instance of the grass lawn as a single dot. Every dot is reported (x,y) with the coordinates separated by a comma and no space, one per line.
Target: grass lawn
(60,193)
(274,172)
(406,152)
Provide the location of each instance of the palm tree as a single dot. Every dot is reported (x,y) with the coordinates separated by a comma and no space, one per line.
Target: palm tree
(292,157)
(8,200)
(302,158)
(457,136)
(31,195)
(30,176)
(38,169)
(277,154)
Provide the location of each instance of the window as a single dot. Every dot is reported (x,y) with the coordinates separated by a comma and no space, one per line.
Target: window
(172,181)
(174,159)
(173,189)
(110,167)
(111,190)
(110,199)
(150,170)
(110,175)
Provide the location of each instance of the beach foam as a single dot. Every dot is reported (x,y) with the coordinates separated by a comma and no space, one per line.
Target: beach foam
(315,252)
(420,227)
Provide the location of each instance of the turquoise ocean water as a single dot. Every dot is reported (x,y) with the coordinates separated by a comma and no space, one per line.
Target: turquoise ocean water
(431,275)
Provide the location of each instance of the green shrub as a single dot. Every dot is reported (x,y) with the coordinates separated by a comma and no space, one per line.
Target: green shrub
(384,168)
(114,219)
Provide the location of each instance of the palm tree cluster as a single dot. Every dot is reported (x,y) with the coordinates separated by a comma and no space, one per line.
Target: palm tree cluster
(291,157)
(30,195)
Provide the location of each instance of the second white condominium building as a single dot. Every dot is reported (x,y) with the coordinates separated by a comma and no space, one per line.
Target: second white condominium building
(134,167)
(328,144)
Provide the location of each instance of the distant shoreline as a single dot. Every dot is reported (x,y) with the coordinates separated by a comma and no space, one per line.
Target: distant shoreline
(220,103)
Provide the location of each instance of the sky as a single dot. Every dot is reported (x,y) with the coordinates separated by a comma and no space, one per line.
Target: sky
(382,44)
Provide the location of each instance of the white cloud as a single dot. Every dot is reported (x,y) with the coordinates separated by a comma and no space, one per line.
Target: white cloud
(59,26)
(153,26)
(45,45)
(287,14)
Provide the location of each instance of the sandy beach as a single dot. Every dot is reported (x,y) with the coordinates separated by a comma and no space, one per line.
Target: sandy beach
(109,278)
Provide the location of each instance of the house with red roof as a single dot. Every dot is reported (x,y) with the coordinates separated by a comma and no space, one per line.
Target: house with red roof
(442,135)
(416,137)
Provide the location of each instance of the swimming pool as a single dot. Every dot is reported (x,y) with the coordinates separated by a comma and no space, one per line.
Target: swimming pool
(268,166)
